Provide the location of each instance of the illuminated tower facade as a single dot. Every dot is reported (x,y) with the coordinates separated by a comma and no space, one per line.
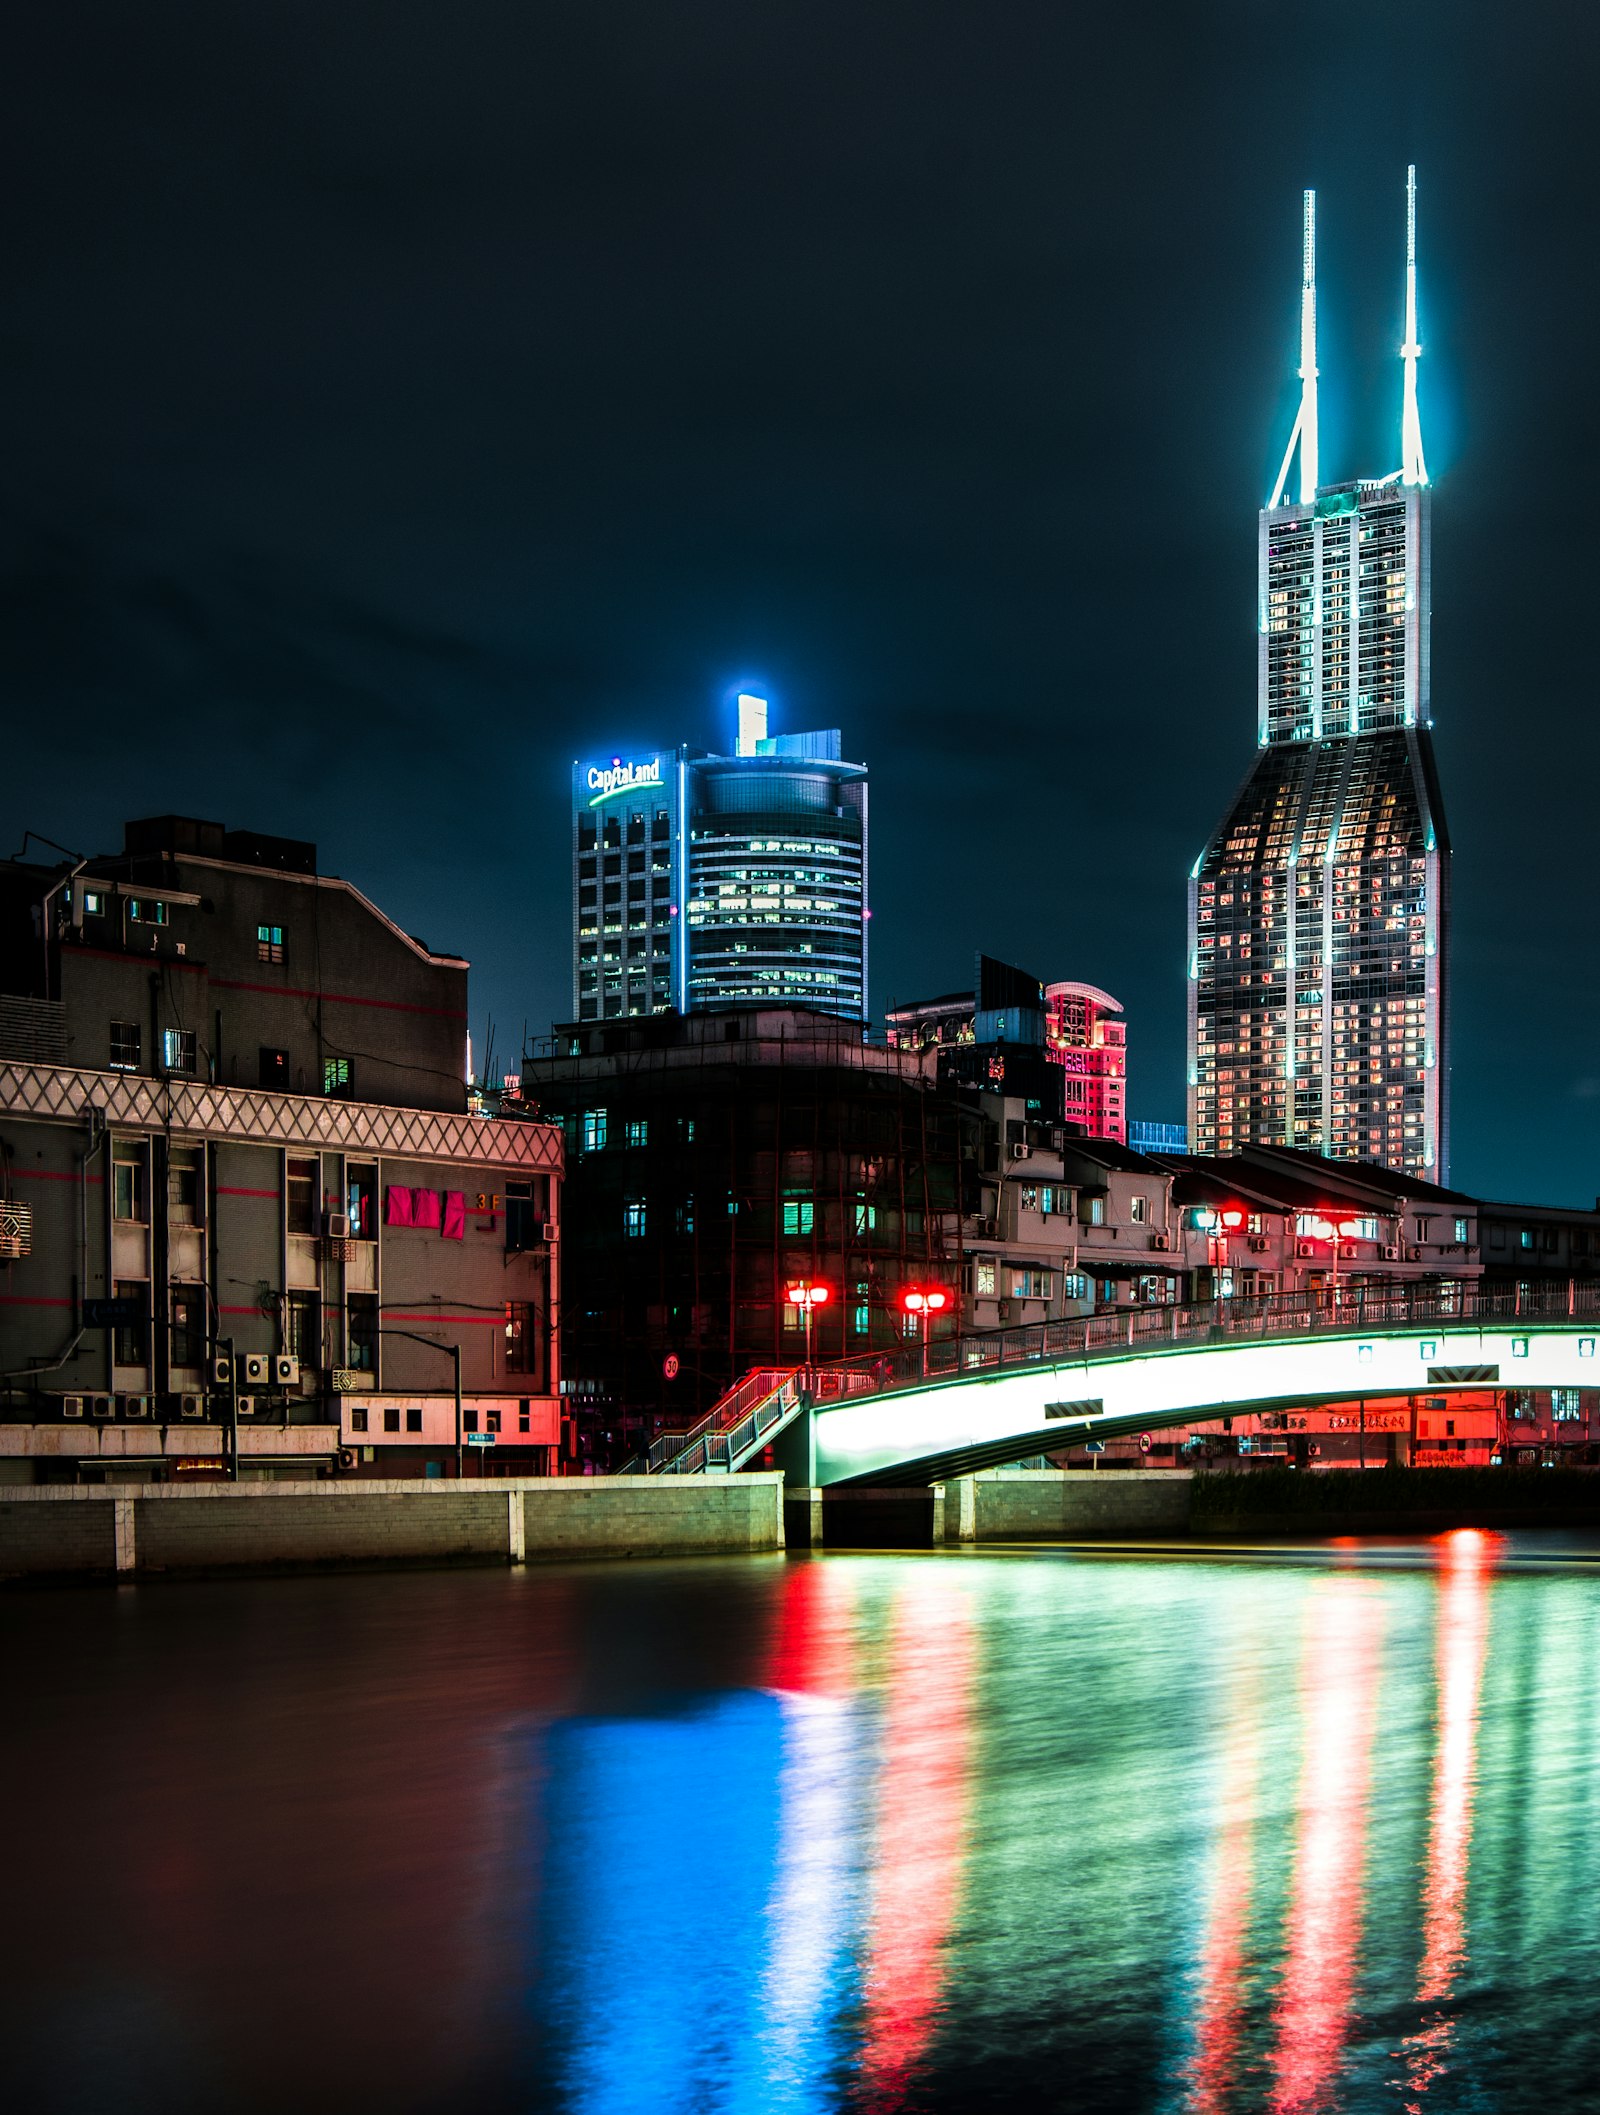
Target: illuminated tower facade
(1319,910)
(705,881)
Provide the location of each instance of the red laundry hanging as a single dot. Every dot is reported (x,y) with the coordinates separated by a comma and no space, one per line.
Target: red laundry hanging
(397,1207)
(425,1208)
(455,1215)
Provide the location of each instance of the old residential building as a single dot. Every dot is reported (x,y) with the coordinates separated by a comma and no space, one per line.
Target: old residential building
(233,1113)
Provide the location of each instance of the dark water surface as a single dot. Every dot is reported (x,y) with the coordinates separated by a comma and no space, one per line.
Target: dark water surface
(1235,1831)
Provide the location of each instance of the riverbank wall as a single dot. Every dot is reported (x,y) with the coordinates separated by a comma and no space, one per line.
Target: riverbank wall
(1131,1505)
(153,1530)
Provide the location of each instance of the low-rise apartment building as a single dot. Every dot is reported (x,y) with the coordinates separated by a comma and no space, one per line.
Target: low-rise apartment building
(240,1190)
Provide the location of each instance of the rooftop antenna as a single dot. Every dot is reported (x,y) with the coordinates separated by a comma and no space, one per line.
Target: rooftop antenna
(1415,470)
(1305,425)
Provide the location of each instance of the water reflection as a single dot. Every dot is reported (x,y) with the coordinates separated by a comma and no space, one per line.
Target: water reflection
(1338,1697)
(1467,1566)
(830,1837)
(921,1835)
(1224,1958)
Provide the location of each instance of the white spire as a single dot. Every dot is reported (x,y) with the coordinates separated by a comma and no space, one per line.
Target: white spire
(1305,425)
(1415,470)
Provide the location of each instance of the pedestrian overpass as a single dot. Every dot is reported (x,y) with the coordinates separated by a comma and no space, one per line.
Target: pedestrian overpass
(969,1403)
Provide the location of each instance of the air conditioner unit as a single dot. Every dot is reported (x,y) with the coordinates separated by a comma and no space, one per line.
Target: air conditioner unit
(16,1230)
(247,1405)
(1161,1241)
(72,1406)
(285,1370)
(344,1380)
(255,1369)
(1022,1151)
(1305,1248)
(101,1406)
(136,1406)
(1391,1253)
(1413,1255)
(1260,1244)
(221,1371)
(336,1225)
(1005,1310)
(191,1406)
(550,1231)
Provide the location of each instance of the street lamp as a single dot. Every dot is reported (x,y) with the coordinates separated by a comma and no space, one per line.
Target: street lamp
(808,1296)
(920,1302)
(454,1350)
(1217,1222)
(1333,1231)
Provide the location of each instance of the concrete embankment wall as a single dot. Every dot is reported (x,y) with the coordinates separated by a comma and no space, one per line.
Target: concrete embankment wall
(1052,1505)
(130,1531)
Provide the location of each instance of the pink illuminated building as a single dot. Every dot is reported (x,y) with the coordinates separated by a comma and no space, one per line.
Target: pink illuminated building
(1086,1036)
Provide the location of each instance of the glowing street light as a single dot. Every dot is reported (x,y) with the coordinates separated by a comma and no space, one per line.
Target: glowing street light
(1326,1228)
(808,1296)
(918,1302)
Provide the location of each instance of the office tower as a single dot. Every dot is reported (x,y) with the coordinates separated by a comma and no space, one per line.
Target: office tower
(1086,1036)
(1319,910)
(704,881)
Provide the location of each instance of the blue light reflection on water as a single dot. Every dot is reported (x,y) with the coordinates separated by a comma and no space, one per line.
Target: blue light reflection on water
(1185,1833)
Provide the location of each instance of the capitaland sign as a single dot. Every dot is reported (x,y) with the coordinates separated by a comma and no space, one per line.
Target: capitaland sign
(618,777)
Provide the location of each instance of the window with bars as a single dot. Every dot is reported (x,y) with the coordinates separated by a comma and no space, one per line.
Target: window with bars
(178,1050)
(269,943)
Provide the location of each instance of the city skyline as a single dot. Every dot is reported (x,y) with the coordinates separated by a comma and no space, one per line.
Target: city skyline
(347,509)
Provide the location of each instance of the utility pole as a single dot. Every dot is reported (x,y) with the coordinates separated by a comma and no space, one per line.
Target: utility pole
(233,1410)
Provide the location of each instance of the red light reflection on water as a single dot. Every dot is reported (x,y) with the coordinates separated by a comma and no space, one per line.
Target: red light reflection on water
(1223,1959)
(1466,1568)
(1338,1693)
(922,1827)
(814,1645)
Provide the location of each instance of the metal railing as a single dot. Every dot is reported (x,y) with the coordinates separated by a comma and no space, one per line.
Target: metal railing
(1343,1310)
(768,1397)
(743,1419)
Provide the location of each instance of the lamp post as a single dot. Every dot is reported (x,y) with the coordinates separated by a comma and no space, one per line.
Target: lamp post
(1333,1231)
(455,1354)
(808,1296)
(921,1301)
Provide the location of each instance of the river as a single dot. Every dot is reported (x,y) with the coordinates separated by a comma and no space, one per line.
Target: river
(1235,1830)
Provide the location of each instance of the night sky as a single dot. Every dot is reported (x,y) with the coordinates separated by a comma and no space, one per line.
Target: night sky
(401,400)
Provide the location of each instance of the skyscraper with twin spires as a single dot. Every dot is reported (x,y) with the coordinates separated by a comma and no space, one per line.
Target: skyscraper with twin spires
(1319,910)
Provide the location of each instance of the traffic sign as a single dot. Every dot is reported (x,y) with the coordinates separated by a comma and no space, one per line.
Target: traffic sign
(1094,1446)
(112,1314)
(481,1439)
(669,1365)
(1144,1443)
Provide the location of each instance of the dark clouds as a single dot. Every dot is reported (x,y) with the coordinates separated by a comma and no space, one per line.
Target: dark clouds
(400,399)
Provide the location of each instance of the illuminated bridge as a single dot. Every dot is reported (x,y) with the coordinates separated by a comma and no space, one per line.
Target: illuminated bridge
(977,1402)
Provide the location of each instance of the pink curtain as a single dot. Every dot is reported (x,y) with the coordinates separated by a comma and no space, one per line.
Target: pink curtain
(397,1207)
(455,1215)
(425,1208)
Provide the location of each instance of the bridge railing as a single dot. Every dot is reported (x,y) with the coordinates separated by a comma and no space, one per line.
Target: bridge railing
(745,1414)
(1328,1310)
